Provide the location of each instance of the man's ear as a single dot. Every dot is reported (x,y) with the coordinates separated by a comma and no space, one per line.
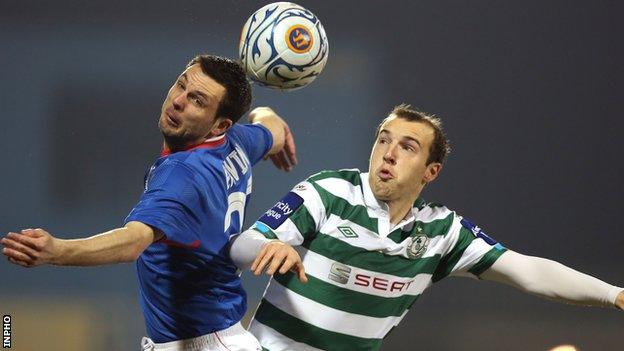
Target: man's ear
(220,126)
(432,171)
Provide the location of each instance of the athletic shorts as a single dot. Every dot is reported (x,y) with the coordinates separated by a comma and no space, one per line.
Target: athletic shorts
(234,338)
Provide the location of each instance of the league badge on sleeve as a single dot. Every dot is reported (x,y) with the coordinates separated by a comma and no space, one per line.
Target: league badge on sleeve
(278,214)
(478,232)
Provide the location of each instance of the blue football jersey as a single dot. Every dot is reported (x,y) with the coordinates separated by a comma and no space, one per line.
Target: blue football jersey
(197,198)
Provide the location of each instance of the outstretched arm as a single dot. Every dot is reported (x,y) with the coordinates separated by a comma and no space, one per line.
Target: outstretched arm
(283,153)
(553,280)
(34,247)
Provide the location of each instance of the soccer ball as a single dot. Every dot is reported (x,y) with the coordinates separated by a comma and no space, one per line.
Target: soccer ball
(283,46)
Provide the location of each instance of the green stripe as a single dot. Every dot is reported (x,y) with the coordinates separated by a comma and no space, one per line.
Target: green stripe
(351,176)
(449,261)
(304,222)
(307,333)
(346,300)
(375,261)
(398,235)
(486,261)
(343,209)
(431,229)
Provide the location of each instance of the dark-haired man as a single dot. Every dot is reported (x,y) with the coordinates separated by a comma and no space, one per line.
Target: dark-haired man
(371,246)
(194,199)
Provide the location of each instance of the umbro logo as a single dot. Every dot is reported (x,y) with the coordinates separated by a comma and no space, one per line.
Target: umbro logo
(348,232)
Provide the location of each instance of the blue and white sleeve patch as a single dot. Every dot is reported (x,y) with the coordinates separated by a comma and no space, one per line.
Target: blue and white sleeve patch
(478,233)
(278,214)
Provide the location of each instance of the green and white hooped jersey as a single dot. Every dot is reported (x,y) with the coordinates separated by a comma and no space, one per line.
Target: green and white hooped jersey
(363,273)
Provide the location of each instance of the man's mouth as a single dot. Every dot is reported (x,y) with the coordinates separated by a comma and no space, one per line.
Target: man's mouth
(172,119)
(385,174)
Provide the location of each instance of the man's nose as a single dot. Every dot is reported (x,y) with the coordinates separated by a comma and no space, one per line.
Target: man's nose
(178,101)
(390,155)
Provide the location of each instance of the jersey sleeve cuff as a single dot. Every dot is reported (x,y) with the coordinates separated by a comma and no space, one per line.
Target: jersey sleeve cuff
(265,230)
(487,260)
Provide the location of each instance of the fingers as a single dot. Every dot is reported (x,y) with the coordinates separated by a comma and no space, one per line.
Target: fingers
(14,245)
(279,257)
(17,257)
(276,161)
(20,263)
(301,272)
(262,260)
(272,258)
(280,161)
(290,148)
(33,233)
(24,239)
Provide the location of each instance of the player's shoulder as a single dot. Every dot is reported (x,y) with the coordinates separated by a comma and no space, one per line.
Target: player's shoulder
(170,171)
(199,163)
(238,130)
(351,175)
(430,211)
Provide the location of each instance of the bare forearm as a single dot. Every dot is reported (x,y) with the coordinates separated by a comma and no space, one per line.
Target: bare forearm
(268,119)
(116,246)
(552,280)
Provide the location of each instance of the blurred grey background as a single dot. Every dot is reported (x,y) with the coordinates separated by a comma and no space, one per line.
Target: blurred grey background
(531,94)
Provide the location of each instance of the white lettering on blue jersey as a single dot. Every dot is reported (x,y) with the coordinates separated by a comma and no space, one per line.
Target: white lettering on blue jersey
(238,157)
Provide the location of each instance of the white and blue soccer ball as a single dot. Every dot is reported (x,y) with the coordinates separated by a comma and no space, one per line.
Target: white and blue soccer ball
(283,46)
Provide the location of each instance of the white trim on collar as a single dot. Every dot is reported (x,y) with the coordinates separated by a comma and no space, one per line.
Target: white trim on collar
(371,202)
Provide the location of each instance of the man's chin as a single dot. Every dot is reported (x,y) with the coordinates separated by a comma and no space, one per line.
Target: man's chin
(382,190)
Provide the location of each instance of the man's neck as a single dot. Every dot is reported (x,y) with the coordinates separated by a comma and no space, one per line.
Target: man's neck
(399,209)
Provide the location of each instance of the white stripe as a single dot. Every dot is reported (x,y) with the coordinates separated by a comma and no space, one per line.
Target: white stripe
(429,214)
(288,233)
(326,317)
(452,236)
(249,185)
(343,189)
(274,341)
(473,253)
(370,241)
(370,282)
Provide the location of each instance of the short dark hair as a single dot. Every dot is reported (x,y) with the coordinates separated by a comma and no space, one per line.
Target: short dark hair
(440,147)
(237,99)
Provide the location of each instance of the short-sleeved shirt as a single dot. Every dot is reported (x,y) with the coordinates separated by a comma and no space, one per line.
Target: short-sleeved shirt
(363,272)
(196,198)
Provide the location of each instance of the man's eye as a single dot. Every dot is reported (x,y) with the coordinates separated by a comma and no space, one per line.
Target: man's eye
(180,84)
(198,102)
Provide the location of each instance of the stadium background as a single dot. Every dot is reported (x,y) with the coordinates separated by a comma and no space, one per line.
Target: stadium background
(530,92)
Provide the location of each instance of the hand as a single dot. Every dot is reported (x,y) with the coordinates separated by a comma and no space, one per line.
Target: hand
(286,158)
(283,154)
(619,301)
(279,255)
(33,247)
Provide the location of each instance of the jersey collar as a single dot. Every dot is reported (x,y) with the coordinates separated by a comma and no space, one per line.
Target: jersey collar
(371,201)
(208,143)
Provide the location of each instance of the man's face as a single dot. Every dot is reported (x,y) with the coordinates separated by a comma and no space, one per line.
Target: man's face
(188,113)
(398,163)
